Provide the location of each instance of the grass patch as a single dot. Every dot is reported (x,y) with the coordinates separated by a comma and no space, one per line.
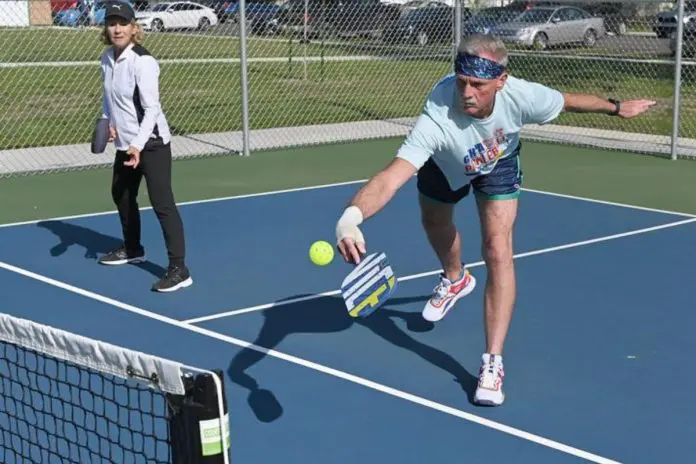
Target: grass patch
(58,105)
(51,45)
(79,45)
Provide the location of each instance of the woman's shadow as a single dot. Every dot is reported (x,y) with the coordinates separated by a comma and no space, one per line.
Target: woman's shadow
(328,315)
(95,243)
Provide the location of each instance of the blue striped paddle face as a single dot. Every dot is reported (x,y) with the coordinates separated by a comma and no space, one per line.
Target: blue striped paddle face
(369,285)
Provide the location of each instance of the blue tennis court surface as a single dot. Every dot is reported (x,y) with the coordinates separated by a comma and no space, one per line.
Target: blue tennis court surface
(597,360)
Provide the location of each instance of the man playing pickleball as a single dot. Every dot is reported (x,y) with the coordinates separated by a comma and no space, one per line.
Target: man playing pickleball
(468,138)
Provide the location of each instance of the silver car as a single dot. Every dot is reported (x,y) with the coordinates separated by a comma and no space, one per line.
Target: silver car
(543,26)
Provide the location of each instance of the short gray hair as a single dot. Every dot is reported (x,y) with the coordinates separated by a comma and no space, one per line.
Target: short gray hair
(477,43)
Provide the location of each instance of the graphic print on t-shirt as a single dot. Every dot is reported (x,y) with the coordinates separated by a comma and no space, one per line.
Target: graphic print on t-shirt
(485,152)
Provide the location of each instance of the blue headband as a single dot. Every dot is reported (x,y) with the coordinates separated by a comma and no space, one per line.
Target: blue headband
(475,66)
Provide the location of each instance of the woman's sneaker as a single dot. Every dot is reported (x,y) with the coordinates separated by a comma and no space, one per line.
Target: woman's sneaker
(123,256)
(175,278)
(490,387)
(446,294)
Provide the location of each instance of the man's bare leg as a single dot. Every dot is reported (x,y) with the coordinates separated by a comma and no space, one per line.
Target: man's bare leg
(438,222)
(437,219)
(497,221)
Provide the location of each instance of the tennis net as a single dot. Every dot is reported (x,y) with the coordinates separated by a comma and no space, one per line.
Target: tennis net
(65,398)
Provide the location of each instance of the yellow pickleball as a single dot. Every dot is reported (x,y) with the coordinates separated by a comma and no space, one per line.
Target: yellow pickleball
(321,253)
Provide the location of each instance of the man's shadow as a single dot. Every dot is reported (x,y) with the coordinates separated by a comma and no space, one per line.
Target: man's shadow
(328,315)
(94,243)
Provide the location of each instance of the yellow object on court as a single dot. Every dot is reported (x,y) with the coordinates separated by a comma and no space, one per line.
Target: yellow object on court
(321,253)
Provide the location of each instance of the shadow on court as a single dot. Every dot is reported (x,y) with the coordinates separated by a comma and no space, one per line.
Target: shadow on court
(95,243)
(328,315)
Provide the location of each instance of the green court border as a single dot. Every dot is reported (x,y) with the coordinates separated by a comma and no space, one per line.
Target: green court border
(607,175)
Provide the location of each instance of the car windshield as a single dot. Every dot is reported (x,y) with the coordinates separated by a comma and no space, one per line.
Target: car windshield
(535,16)
(160,7)
(419,14)
(491,13)
(495,13)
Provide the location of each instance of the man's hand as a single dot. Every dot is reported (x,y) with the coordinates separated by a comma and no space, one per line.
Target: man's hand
(584,103)
(350,240)
(112,133)
(351,251)
(631,108)
(369,199)
(134,160)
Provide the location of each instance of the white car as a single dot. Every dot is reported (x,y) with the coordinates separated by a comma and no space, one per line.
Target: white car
(540,27)
(177,15)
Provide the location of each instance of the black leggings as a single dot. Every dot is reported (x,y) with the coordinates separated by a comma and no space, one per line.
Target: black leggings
(156,166)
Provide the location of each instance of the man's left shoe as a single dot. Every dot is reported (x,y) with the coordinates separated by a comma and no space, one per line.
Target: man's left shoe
(175,278)
(490,387)
(446,294)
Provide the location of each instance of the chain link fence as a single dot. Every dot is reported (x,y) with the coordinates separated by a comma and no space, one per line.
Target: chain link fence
(317,71)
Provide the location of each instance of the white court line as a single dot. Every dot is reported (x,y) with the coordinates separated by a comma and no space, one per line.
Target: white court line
(609,203)
(337,184)
(237,312)
(317,367)
(192,202)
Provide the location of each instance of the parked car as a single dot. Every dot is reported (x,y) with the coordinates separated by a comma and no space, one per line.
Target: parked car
(338,17)
(688,41)
(218,6)
(541,27)
(483,21)
(177,15)
(615,14)
(424,26)
(262,16)
(78,15)
(84,13)
(666,21)
(60,5)
(417,4)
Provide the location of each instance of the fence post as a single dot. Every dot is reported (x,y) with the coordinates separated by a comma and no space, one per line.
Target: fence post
(457,27)
(244,77)
(677,78)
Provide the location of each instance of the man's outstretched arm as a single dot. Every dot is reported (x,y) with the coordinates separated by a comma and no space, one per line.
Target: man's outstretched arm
(370,199)
(374,195)
(585,103)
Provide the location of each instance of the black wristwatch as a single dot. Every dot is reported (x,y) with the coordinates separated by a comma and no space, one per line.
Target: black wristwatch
(618,106)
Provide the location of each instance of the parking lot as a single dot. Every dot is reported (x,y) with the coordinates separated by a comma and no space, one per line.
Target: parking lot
(615,28)
(631,45)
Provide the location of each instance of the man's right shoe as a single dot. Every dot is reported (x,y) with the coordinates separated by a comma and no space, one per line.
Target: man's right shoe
(122,256)
(489,391)
(446,294)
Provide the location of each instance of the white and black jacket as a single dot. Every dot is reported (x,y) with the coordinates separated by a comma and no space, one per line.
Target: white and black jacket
(131,97)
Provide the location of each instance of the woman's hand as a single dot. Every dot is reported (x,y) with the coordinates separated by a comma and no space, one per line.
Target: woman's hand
(134,160)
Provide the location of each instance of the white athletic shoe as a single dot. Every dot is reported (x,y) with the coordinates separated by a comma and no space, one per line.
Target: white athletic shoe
(446,294)
(490,387)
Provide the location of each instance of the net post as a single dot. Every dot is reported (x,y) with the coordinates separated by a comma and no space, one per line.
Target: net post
(199,436)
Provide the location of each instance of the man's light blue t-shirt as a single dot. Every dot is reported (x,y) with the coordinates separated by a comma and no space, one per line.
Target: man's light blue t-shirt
(464,147)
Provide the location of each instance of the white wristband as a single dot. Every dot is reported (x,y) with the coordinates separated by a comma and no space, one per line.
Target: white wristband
(348,225)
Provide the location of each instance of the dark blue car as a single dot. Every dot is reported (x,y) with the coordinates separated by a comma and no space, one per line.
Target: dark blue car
(262,17)
(483,21)
(87,12)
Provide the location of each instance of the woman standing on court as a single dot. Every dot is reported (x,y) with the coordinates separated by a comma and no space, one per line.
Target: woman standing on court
(142,137)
